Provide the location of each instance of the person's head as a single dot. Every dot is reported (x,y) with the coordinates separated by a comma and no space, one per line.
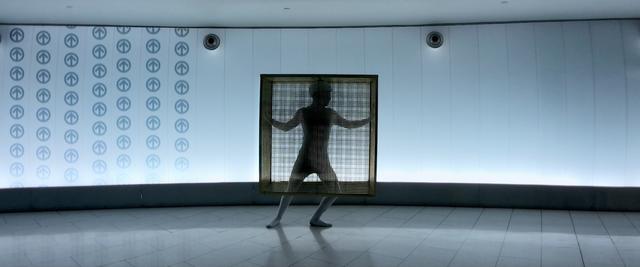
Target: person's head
(320,91)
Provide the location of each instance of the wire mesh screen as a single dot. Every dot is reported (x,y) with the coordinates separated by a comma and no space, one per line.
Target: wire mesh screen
(318,135)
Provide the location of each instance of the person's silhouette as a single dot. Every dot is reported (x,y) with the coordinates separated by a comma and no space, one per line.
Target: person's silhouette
(313,157)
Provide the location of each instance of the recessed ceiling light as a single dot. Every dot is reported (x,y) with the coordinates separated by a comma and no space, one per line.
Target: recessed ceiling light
(504,2)
(69,6)
(287,8)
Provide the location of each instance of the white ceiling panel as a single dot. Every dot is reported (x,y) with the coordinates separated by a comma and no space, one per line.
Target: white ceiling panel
(305,13)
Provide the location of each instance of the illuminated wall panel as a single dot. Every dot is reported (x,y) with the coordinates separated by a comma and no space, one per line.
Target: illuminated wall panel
(553,103)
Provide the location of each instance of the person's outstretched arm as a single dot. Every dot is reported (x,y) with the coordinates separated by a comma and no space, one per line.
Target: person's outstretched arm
(349,124)
(286,126)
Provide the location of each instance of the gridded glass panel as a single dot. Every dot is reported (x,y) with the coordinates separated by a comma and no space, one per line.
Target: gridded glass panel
(297,156)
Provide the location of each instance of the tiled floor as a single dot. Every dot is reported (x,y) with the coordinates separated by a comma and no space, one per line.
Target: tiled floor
(361,236)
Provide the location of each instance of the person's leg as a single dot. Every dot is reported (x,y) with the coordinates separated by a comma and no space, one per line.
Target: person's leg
(325,203)
(284,204)
(328,178)
(294,183)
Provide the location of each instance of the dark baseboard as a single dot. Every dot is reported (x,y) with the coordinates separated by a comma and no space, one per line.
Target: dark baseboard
(431,194)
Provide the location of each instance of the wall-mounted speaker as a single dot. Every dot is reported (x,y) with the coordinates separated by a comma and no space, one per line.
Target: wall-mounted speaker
(211,41)
(435,39)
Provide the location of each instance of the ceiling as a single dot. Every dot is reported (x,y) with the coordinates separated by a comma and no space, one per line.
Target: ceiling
(305,13)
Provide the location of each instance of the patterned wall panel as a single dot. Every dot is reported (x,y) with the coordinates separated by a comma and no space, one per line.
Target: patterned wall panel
(96,105)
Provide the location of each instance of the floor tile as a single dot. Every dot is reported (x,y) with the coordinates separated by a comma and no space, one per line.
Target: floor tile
(429,256)
(370,259)
(361,236)
(517,262)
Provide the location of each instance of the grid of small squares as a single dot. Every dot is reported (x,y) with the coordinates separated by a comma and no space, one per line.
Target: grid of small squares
(348,148)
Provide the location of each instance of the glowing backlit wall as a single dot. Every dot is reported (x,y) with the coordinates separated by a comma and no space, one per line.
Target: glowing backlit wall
(534,103)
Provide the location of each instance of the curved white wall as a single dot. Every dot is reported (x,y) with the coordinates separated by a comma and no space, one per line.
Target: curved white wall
(532,103)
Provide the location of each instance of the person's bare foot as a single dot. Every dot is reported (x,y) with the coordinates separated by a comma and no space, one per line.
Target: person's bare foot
(319,223)
(273,224)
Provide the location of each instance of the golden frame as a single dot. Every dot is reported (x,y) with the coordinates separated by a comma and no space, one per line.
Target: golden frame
(266,186)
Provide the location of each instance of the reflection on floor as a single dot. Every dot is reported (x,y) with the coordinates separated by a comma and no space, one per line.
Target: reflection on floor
(361,236)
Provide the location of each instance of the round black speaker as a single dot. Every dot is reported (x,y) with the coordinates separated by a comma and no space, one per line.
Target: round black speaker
(434,39)
(211,41)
